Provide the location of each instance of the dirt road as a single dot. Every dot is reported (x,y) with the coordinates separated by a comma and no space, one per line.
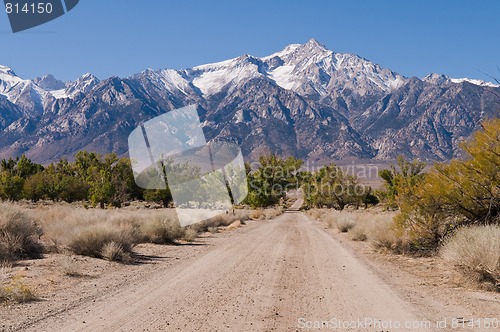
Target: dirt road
(286,274)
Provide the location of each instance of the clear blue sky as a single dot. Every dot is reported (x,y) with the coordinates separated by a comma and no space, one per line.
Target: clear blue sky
(120,37)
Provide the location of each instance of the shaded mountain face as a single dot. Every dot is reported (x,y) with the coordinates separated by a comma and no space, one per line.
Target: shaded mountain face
(305,101)
(49,83)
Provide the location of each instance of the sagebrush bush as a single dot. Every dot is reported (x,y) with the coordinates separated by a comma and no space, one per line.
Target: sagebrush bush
(113,251)
(18,235)
(385,236)
(358,234)
(161,229)
(476,251)
(108,234)
(331,221)
(345,224)
(190,234)
(92,240)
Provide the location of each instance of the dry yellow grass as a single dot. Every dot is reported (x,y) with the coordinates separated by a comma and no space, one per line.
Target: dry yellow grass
(13,289)
(475,251)
(266,214)
(375,226)
(18,234)
(108,234)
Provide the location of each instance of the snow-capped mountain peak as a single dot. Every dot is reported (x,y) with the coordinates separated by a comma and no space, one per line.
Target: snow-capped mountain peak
(215,77)
(436,79)
(311,68)
(308,69)
(7,71)
(82,85)
(24,93)
(49,83)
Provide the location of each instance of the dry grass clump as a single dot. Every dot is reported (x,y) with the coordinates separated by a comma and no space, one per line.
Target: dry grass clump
(266,214)
(373,226)
(18,234)
(384,236)
(14,290)
(358,234)
(223,220)
(213,230)
(257,214)
(113,251)
(98,240)
(272,213)
(108,234)
(161,229)
(190,234)
(475,251)
(345,224)
(330,220)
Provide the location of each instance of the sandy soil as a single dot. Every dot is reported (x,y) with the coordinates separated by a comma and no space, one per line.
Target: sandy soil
(287,274)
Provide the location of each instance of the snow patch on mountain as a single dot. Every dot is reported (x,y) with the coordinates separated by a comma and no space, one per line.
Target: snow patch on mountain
(475,82)
(443,79)
(213,78)
(82,85)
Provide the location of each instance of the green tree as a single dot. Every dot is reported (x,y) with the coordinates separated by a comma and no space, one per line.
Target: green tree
(272,179)
(401,179)
(11,186)
(331,187)
(13,173)
(25,167)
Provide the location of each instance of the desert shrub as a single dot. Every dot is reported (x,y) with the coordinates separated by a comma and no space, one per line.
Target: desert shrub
(92,240)
(475,250)
(18,234)
(190,234)
(18,292)
(332,187)
(345,224)
(257,214)
(358,234)
(400,180)
(161,229)
(113,251)
(272,213)
(383,235)
(462,192)
(224,220)
(213,230)
(330,220)
(268,184)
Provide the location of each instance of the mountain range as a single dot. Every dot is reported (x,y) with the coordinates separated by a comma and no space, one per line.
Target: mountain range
(306,101)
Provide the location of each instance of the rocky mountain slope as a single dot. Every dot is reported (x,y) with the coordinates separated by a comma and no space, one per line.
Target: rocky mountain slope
(305,101)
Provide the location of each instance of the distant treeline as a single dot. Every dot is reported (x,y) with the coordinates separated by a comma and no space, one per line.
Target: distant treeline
(106,180)
(102,180)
